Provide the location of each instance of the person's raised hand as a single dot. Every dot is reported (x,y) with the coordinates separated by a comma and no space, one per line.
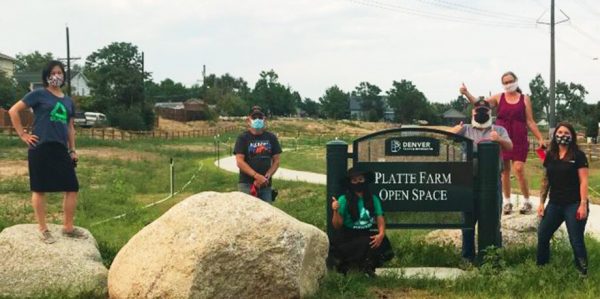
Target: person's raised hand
(463,89)
(494,135)
(335,205)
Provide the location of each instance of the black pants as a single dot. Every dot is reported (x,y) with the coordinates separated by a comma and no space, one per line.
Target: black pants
(351,249)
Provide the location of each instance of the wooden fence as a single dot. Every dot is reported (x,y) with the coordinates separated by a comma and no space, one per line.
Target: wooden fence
(115,134)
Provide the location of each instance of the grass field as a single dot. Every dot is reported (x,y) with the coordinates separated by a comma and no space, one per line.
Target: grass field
(120,177)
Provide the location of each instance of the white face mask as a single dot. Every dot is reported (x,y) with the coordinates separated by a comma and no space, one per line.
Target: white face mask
(511,87)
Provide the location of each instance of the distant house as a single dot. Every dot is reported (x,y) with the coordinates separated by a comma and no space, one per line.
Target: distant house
(192,109)
(79,84)
(357,112)
(7,65)
(170,105)
(452,117)
(31,79)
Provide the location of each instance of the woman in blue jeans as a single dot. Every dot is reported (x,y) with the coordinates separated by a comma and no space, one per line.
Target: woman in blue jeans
(566,179)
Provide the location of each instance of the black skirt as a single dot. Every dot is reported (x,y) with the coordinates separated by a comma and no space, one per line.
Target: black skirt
(351,249)
(51,169)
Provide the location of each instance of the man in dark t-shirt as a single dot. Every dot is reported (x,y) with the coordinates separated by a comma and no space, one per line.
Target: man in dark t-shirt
(257,155)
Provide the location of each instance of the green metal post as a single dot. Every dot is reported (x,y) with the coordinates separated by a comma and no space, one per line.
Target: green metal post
(488,196)
(337,165)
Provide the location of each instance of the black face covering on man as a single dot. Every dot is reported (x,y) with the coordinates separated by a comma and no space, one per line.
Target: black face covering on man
(481,118)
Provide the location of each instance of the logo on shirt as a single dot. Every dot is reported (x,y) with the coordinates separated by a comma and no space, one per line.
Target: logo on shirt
(59,113)
(364,221)
(259,148)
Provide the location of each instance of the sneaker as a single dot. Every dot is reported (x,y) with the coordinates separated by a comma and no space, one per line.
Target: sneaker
(507,209)
(47,237)
(75,233)
(525,208)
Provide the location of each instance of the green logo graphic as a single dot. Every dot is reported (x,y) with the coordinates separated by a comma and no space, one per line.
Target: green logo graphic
(59,113)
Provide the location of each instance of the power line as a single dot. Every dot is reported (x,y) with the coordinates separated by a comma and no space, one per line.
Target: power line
(588,7)
(584,33)
(437,16)
(476,10)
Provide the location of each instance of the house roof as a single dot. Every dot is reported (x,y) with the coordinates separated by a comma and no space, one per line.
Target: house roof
(171,105)
(453,113)
(6,57)
(28,77)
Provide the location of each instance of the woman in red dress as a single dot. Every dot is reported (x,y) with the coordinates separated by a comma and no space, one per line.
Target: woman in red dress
(515,114)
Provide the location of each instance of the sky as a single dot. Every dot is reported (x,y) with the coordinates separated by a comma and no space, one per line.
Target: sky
(315,44)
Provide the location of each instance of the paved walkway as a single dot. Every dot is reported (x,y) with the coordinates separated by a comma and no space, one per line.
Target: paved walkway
(229,164)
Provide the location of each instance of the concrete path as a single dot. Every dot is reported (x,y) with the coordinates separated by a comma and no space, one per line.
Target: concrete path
(229,164)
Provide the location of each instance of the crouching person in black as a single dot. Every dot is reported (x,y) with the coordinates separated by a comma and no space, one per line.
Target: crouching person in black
(356,245)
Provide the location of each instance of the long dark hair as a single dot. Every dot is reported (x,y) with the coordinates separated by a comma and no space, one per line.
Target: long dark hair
(353,201)
(48,69)
(509,73)
(572,147)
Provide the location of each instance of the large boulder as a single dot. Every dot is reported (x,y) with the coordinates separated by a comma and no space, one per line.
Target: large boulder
(517,229)
(221,245)
(67,268)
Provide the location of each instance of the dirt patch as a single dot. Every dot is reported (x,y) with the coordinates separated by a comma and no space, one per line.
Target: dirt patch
(13,168)
(201,148)
(115,153)
(401,293)
(172,125)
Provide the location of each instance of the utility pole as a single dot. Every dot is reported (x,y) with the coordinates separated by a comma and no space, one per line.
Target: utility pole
(68,59)
(143,84)
(552,116)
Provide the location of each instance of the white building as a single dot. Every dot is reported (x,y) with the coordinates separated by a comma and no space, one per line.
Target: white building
(79,84)
(7,65)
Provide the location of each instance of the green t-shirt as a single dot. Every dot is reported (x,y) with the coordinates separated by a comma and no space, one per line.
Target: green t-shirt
(365,221)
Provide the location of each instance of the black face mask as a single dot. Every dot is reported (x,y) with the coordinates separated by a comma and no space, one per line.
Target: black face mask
(360,187)
(481,116)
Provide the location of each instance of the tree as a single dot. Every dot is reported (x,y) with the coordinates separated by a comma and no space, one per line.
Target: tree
(233,105)
(570,101)
(335,103)
(539,97)
(409,103)
(32,62)
(272,96)
(310,107)
(116,82)
(371,103)
(7,91)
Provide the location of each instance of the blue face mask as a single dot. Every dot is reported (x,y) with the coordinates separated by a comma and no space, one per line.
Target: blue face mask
(257,124)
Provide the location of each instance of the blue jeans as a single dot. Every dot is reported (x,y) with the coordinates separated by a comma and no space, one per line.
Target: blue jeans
(264,193)
(554,215)
(468,235)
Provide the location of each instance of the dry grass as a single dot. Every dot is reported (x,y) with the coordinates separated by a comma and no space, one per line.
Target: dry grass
(112,153)
(13,168)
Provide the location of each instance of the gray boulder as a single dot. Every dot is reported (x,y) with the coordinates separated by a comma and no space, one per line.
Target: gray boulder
(69,267)
(221,245)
